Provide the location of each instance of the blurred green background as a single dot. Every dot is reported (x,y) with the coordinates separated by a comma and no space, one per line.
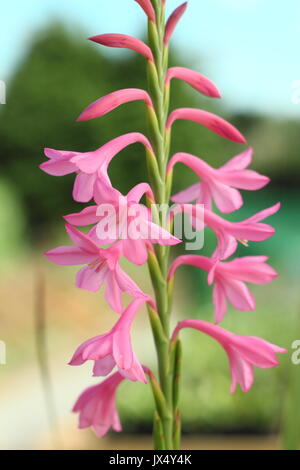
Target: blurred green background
(54,80)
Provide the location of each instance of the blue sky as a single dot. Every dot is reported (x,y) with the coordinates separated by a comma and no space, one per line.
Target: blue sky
(250,47)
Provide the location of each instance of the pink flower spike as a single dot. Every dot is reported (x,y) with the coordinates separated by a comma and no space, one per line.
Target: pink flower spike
(173,20)
(113,100)
(97,406)
(195,79)
(102,266)
(244,352)
(218,184)
(113,348)
(213,122)
(229,279)
(124,41)
(148,9)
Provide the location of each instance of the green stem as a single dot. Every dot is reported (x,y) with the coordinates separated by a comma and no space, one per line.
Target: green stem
(167,417)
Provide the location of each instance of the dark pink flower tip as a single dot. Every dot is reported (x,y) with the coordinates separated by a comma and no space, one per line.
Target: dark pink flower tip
(113,100)
(173,20)
(124,41)
(213,122)
(148,9)
(195,79)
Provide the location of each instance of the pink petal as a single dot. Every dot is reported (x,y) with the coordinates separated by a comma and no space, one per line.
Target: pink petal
(245,179)
(58,168)
(124,41)
(82,240)
(69,256)
(83,189)
(173,20)
(227,199)
(209,120)
(157,234)
(90,279)
(264,213)
(239,162)
(135,251)
(239,295)
(113,293)
(148,9)
(187,195)
(113,100)
(86,217)
(136,193)
(103,366)
(250,269)
(219,301)
(195,79)
(59,155)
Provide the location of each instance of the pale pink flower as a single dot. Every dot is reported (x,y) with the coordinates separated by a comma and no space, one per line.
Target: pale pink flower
(113,100)
(229,279)
(229,233)
(213,122)
(124,41)
(113,348)
(148,9)
(123,217)
(89,166)
(219,184)
(102,267)
(173,20)
(97,406)
(194,79)
(244,352)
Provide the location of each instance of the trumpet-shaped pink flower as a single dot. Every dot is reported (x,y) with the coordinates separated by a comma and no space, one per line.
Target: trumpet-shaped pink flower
(113,100)
(148,9)
(213,122)
(194,79)
(173,20)
(229,233)
(124,41)
(219,184)
(229,279)
(126,219)
(244,352)
(89,166)
(102,267)
(97,406)
(113,348)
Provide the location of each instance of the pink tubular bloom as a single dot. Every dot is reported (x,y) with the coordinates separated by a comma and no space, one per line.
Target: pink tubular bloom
(148,9)
(173,20)
(243,352)
(97,406)
(195,79)
(113,100)
(229,279)
(102,267)
(89,166)
(113,348)
(229,233)
(125,42)
(213,122)
(219,184)
(128,220)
